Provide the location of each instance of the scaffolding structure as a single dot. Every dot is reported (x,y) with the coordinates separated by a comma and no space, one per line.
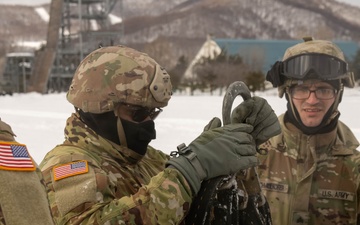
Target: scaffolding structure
(76,28)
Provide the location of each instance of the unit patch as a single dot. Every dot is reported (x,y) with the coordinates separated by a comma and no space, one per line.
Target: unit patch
(336,194)
(70,169)
(15,156)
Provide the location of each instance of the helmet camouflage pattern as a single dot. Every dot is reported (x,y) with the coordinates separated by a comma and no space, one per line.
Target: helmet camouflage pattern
(314,46)
(320,47)
(118,74)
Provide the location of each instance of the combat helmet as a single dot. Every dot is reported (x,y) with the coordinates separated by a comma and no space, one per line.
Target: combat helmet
(115,75)
(118,74)
(311,59)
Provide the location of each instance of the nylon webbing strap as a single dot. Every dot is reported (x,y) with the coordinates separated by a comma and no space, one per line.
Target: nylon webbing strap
(192,157)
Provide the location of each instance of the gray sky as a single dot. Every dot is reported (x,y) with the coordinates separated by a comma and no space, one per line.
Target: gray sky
(352,2)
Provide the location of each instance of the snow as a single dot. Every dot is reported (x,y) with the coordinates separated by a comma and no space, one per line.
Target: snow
(39,120)
(42,13)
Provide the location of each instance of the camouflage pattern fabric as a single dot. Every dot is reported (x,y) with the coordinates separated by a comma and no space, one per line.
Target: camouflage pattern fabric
(116,74)
(311,179)
(120,187)
(23,199)
(314,46)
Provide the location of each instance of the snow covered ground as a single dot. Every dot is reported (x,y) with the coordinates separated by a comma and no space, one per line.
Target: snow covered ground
(39,120)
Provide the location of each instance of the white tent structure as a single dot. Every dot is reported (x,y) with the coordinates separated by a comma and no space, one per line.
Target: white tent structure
(208,50)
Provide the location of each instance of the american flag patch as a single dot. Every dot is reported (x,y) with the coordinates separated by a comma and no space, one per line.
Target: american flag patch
(70,169)
(15,156)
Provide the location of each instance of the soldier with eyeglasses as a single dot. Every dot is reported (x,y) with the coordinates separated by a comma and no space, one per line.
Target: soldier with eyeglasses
(311,172)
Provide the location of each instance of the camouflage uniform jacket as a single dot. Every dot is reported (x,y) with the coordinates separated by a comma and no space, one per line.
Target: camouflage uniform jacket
(312,179)
(118,186)
(23,199)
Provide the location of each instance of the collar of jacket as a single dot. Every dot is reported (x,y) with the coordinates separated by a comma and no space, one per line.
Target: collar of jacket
(78,134)
(340,141)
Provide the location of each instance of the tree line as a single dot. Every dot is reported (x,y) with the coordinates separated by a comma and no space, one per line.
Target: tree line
(209,74)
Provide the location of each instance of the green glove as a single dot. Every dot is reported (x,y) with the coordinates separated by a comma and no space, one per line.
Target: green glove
(218,151)
(214,123)
(258,113)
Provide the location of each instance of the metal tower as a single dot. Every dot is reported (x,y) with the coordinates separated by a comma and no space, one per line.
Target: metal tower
(76,28)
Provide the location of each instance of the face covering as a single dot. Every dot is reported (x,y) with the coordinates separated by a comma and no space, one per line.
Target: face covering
(139,135)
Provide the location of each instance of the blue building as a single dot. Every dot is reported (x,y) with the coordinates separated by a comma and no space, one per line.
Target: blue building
(264,53)
(258,54)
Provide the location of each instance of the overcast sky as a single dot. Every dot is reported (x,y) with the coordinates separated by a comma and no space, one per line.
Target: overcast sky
(39,2)
(352,2)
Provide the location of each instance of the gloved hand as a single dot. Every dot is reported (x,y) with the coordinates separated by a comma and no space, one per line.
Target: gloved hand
(258,113)
(214,123)
(218,151)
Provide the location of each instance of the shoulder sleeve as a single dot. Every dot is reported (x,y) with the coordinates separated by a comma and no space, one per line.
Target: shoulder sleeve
(84,199)
(6,133)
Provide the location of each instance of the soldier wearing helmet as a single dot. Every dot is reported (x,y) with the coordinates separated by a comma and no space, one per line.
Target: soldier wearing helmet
(310,174)
(105,172)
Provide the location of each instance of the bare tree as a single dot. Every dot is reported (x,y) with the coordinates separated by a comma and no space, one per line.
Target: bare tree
(220,72)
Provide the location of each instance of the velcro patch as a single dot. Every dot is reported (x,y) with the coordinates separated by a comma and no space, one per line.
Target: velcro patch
(70,169)
(15,156)
(336,194)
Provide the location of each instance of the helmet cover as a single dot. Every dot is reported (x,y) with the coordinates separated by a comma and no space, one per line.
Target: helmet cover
(118,74)
(316,48)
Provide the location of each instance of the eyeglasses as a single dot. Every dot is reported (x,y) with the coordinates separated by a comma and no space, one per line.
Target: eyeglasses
(139,114)
(302,93)
(325,66)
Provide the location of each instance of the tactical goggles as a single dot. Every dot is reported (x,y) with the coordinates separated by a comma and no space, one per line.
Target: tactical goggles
(323,66)
(139,114)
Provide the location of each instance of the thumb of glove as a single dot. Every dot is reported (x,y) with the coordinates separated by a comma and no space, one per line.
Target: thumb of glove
(258,113)
(242,111)
(214,123)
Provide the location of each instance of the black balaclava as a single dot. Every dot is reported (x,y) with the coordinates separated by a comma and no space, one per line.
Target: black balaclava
(329,121)
(138,135)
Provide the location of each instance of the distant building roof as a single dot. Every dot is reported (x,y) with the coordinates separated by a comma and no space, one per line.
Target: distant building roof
(259,54)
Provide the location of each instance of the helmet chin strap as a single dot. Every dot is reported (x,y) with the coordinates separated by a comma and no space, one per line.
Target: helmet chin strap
(120,129)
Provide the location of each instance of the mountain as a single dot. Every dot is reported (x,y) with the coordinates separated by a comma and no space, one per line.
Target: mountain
(169,29)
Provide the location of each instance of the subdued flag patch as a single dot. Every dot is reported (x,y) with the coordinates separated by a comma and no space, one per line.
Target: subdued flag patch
(15,156)
(70,169)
